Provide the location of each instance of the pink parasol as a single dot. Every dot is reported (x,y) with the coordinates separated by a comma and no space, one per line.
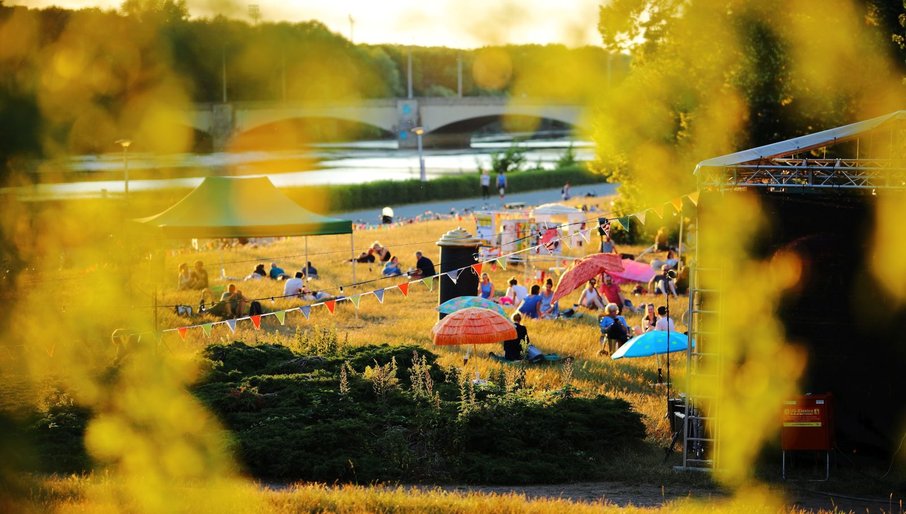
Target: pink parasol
(584,270)
(473,325)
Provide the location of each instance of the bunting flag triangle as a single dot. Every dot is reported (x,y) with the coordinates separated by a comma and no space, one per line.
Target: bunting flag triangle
(232,324)
(616,223)
(182,332)
(404,288)
(677,204)
(454,275)
(331,305)
(640,216)
(256,320)
(281,317)
(626,221)
(584,234)
(207,327)
(477,268)
(659,211)
(356,299)
(429,283)
(502,262)
(693,197)
(379,293)
(305,310)
(564,239)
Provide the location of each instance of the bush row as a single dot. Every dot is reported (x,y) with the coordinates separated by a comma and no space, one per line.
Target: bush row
(326,412)
(388,192)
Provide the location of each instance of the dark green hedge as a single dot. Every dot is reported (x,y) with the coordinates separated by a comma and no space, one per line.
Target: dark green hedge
(291,422)
(387,192)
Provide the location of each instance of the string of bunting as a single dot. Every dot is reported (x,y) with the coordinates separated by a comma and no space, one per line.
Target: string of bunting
(547,244)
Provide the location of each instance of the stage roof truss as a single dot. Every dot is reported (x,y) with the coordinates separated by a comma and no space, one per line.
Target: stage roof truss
(876,160)
(811,174)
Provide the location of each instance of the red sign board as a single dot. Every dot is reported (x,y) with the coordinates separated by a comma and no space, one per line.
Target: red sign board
(808,423)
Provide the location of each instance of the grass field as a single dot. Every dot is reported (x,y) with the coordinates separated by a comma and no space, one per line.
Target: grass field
(73,348)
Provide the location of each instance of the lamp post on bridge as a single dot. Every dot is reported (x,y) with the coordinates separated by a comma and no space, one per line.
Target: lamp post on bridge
(125,143)
(419,131)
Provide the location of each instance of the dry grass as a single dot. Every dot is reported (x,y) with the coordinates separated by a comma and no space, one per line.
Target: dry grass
(399,320)
(408,320)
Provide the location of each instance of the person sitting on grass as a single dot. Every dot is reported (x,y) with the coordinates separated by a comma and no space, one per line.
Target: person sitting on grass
(614,330)
(183,277)
(377,251)
(512,348)
(486,287)
(548,309)
(649,319)
(392,268)
(231,305)
(293,286)
(423,267)
(277,273)
(309,271)
(664,322)
(613,294)
(514,294)
(590,298)
(258,273)
(531,305)
(199,276)
(312,296)
(663,283)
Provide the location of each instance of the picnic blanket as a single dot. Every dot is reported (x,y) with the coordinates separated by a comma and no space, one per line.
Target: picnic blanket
(548,358)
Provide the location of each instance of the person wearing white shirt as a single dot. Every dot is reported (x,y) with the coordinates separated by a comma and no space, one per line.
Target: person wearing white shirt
(293,286)
(515,293)
(664,323)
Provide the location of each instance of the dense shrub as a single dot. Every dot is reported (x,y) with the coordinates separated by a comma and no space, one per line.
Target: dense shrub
(376,413)
(421,424)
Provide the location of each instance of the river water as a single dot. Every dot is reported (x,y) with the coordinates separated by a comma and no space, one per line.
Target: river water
(346,163)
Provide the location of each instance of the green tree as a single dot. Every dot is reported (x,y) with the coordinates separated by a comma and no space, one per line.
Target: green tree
(710,77)
(156,11)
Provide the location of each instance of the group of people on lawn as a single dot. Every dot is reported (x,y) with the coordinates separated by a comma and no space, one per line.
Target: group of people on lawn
(233,303)
(533,303)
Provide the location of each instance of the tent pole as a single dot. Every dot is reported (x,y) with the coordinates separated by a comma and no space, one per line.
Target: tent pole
(305,265)
(679,249)
(352,253)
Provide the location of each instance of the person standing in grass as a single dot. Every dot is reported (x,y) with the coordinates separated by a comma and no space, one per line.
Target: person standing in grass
(501,184)
(485,185)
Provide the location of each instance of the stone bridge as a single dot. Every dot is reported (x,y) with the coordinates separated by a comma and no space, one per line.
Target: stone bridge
(446,121)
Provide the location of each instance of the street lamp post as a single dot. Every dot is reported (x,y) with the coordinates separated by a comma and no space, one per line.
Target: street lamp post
(419,131)
(125,143)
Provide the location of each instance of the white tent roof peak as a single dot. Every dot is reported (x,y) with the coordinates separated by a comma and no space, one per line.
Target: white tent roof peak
(554,208)
(800,144)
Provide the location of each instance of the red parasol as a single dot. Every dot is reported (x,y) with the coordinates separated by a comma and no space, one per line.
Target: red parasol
(610,262)
(584,270)
(473,326)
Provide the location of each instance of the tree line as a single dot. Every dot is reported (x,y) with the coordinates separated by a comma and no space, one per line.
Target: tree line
(70,80)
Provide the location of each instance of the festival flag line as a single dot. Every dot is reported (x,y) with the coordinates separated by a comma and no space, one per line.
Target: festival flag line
(453,274)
